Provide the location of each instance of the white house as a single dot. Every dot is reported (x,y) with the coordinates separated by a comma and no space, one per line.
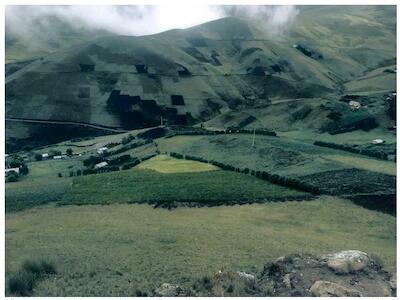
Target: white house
(101,165)
(45,155)
(354,105)
(378,141)
(59,156)
(16,170)
(102,150)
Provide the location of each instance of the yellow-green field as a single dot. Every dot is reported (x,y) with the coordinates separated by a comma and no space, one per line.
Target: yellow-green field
(168,164)
(369,164)
(116,249)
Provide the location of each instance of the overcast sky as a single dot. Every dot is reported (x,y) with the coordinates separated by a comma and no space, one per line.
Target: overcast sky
(141,20)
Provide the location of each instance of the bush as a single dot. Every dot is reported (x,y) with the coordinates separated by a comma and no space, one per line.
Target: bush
(88,171)
(54,152)
(59,175)
(78,173)
(92,160)
(127,139)
(38,157)
(21,283)
(120,159)
(12,177)
(69,152)
(131,164)
(24,280)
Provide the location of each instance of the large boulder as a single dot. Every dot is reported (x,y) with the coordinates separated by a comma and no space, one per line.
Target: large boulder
(246,276)
(348,261)
(169,290)
(322,288)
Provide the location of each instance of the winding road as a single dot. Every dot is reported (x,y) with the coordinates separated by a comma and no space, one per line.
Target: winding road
(70,123)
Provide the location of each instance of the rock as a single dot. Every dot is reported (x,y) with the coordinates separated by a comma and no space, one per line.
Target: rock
(169,290)
(386,292)
(246,276)
(280,259)
(393,282)
(330,289)
(286,281)
(348,261)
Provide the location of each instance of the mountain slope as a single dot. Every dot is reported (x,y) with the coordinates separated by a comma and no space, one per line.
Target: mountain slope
(221,68)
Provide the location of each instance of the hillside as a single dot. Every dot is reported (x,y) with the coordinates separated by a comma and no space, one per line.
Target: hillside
(228,72)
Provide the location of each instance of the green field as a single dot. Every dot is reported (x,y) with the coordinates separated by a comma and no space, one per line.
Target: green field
(385,167)
(213,187)
(168,164)
(27,194)
(115,250)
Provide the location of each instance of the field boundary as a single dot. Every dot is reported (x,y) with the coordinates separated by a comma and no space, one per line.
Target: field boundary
(365,152)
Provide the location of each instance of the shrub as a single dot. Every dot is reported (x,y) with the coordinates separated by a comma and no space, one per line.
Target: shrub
(127,139)
(38,157)
(54,152)
(39,268)
(24,280)
(131,164)
(78,173)
(12,177)
(92,160)
(69,152)
(21,283)
(120,159)
(59,175)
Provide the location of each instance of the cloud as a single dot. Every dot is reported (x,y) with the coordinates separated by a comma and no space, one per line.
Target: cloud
(271,19)
(34,24)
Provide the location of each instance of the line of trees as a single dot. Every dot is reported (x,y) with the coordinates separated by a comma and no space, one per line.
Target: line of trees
(227,131)
(371,153)
(202,131)
(273,178)
(126,148)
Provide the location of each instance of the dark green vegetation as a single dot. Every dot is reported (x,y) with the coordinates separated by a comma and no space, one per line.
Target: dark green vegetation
(26,194)
(27,277)
(117,249)
(228,72)
(207,188)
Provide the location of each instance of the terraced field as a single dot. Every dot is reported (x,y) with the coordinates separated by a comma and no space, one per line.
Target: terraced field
(146,186)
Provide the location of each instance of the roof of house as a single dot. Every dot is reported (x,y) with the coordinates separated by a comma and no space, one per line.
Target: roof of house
(100,165)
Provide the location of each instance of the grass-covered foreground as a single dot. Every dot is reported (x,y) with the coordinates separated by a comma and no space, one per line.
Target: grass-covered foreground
(139,186)
(118,249)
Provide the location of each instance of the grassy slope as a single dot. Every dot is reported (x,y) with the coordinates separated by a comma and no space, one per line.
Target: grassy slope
(293,157)
(374,165)
(114,250)
(149,186)
(26,194)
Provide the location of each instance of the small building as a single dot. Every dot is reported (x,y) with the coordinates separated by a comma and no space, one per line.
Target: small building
(102,150)
(59,156)
(378,141)
(16,170)
(101,165)
(45,156)
(354,105)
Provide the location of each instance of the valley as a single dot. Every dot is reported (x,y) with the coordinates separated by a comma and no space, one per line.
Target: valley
(140,162)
